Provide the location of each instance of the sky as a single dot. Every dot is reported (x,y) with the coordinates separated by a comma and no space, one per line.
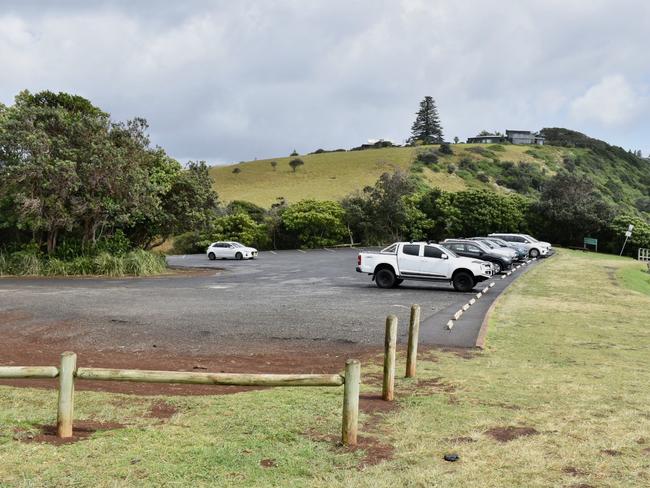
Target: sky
(226,81)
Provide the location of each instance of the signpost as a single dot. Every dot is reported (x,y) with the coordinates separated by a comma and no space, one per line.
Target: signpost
(628,234)
(590,241)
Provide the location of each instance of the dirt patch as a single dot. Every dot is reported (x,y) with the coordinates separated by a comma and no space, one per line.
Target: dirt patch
(82,429)
(507,434)
(372,404)
(461,440)
(573,471)
(461,352)
(424,387)
(31,345)
(268,463)
(161,410)
(611,452)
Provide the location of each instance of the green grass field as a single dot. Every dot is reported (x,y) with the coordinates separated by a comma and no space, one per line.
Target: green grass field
(566,363)
(331,176)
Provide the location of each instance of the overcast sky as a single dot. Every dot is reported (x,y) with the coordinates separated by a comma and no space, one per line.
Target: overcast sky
(226,81)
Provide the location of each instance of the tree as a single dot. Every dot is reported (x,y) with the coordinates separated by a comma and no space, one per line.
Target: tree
(571,209)
(380,213)
(295,163)
(316,223)
(294,153)
(274,164)
(445,149)
(456,139)
(236,171)
(426,128)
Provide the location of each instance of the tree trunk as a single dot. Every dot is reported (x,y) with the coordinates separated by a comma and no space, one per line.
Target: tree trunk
(51,240)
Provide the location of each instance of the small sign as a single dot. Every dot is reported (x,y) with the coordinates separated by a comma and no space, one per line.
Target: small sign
(630,228)
(590,241)
(628,233)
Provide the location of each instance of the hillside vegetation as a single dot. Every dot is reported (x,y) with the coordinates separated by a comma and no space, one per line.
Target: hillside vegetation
(621,178)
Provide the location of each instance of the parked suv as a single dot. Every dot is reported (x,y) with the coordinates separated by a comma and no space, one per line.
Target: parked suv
(521,252)
(535,248)
(500,260)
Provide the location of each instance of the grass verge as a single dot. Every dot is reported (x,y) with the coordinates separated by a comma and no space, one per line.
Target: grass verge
(559,397)
(133,263)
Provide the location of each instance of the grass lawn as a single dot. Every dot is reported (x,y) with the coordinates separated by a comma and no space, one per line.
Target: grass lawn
(331,176)
(559,397)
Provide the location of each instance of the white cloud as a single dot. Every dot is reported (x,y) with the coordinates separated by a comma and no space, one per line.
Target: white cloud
(227,81)
(611,102)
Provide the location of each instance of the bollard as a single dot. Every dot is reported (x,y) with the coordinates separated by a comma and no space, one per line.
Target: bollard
(66,395)
(412,350)
(390,344)
(351,402)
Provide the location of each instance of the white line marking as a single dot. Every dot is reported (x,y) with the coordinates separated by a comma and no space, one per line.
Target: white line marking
(458,314)
(503,277)
(492,284)
(450,325)
(273,252)
(472,301)
(466,307)
(329,250)
(486,289)
(300,250)
(479,294)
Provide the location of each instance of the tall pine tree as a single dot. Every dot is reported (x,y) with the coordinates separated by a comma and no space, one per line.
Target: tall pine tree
(426,127)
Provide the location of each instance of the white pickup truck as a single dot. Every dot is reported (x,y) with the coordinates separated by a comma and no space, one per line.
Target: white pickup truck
(422,261)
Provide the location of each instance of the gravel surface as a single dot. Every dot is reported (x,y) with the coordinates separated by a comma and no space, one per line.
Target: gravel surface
(286,296)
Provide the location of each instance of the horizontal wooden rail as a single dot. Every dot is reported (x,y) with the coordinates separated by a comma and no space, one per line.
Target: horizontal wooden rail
(239,379)
(15,372)
(69,371)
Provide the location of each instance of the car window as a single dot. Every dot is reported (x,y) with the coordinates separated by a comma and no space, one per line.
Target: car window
(472,248)
(390,249)
(456,247)
(446,249)
(489,244)
(519,239)
(432,252)
(411,249)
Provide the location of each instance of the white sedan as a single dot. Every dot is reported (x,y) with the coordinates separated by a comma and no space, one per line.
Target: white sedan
(230,250)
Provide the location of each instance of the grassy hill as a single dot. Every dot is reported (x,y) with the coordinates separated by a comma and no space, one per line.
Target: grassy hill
(621,178)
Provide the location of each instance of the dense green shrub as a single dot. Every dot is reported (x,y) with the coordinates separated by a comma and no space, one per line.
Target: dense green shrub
(315,223)
(445,149)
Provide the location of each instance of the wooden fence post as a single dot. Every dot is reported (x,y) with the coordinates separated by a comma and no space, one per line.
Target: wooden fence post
(390,344)
(66,395)
(351,402)
(414,332)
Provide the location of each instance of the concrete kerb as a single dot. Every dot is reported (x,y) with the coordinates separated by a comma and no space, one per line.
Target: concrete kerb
(479,294)
(458,314)
(472,301)
(466,307)
(492,284)
(450,325)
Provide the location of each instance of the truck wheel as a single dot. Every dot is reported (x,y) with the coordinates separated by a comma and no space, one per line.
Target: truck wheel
(385,278)
(534,253)
(398,282)
(463,281)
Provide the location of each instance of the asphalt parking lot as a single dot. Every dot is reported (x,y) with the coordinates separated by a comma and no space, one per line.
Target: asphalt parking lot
(312,297)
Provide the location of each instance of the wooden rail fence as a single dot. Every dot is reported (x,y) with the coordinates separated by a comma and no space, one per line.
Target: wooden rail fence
(68,371)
